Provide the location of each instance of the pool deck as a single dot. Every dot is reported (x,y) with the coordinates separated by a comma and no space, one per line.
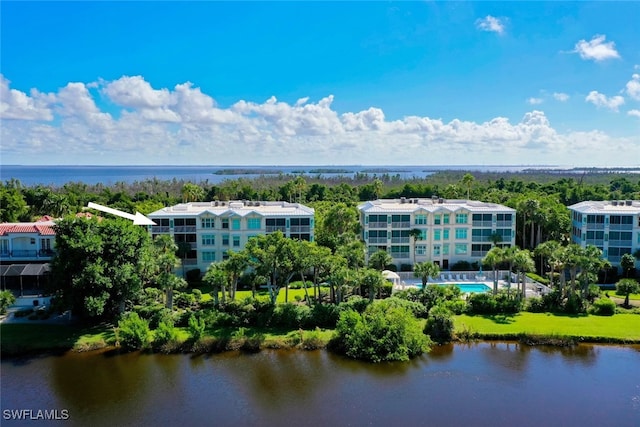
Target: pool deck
(462,279)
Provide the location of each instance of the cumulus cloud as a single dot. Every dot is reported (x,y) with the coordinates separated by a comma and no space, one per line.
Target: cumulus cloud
(535,101)
(17,105)
(634,113)
(597,49)
(183,125)
(559,96)
(600,100)
(633,87)
(490,23)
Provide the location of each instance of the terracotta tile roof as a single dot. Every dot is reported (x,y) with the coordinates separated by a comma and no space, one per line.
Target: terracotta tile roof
(41,229)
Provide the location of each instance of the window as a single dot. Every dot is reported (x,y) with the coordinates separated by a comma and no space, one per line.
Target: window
(254,224)
(208,240)
(235,224)
(420,219)
(207,222)
(236,241)
(503,217)
(190,221)
(461,248)
(208,256)
(461,233)
(436,234)
(445,249)
(421,249)
(436,250)
(461,218)
(225,223)
(445,234)
(225,240)
(445,219)
(437,219)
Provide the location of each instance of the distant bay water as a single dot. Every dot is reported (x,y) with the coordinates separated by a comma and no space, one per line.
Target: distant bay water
(59,175)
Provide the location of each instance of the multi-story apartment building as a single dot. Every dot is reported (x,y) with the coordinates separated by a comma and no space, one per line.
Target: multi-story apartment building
(449,230)
(612,225)
(213,228)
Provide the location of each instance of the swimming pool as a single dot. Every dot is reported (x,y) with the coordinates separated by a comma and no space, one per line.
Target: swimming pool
(464,287)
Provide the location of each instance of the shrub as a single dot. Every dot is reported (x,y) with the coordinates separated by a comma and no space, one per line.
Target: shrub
(154,314)
(165,333)
(456,306)
(323,316)
(439,324)
(133,332)
(483,303)
(184,299)
(355,303)
(383,332)
(386,290)
(313,340)
(290,315)
(6,299)
(535,305)
(603,307)
(196,327)
(197,294)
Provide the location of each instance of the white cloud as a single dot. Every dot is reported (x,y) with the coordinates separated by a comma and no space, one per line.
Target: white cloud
(600,100)
(490,23)
(596,49)
(633,87)
(634,113)
(559,96)
(183,125)
(17,105)
(535,101)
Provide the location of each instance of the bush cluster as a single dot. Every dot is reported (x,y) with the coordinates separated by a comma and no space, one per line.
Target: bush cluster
(487,303)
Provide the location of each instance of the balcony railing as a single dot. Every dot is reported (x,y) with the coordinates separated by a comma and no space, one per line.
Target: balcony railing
(620,226)
(190,261)
(400,255)
(378,224)
(400,239)
(28,253)
(274,228)
(402,224)
(184,229)
(478,253)
(482,224)
(504,224)
(159,229)
(595,242)
(300,229)
(480,239)
(376,240)
(595,226)
(621,243)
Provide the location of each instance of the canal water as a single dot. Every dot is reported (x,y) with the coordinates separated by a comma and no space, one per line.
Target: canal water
(481,384)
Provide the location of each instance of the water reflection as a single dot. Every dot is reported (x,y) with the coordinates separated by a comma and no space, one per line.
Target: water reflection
(477,384)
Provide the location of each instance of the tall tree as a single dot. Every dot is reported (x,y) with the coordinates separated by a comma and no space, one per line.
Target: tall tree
(217,278)
(425,270)
(97,267)
(167,262)
(628,264)
(416,235)
(467,181)
(372,280)
(192,193)
(494,257)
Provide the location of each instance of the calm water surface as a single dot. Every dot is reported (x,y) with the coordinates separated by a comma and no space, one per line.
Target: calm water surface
(485,384)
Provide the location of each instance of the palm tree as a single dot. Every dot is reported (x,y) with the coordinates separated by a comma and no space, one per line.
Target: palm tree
(467,181)
(372,280)
(416,235)
(546,251)
(424,270)
(509,255)
(167,260)
(192,192)
(380,260)
(523,264)
(493,258)
(235,265)
(217,278)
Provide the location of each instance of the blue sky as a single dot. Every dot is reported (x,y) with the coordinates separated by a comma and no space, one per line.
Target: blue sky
(264,83)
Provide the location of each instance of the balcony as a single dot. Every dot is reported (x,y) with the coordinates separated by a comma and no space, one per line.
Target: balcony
(156,229)
(595,242)
(274,228)
(377,240)
(25,254)
(614,227)
(504,224)
(190,261)
(486,224)
(480,239)
(300,229)
(402,224)
(184,229)
(478,254)
(595,226)
(400,255)
(621,244)
(400,240)
(378,224)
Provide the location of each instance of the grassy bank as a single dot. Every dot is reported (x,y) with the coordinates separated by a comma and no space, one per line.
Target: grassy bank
(618,328)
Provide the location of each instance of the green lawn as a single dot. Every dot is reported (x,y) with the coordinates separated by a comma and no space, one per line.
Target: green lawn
(21,337)
(619,326)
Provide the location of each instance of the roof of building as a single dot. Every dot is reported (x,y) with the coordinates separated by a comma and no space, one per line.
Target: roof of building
(43,228)
(607,207)
(433,205)
(240,208)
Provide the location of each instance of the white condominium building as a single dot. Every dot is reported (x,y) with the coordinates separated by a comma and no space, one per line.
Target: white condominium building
(611,225)
(213,228)
(449,230)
